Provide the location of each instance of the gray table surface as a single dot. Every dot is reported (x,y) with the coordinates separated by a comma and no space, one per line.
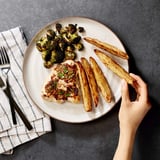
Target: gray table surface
(137,24)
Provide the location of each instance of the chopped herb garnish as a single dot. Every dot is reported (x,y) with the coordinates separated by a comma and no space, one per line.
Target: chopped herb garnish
(65,70)
(61,92)
(67,94)
(61,75)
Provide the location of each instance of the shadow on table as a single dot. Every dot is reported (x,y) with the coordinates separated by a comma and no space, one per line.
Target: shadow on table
(148,138)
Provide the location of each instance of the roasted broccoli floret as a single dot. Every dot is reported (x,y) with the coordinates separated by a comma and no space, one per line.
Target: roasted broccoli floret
(70,48)
(57,56)
(50,34)
(60,56)
(47,64)
(72,28)
(46,55)
(53,56)
(71,38)
(58,27)
(60,44)
(79,46)
(74,38)
(70,55)
(80,29)
(42,44)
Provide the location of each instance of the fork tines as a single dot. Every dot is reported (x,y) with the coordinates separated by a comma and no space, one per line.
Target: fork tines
(4,59)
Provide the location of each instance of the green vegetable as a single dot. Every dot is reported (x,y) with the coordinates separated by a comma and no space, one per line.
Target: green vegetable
(61,75)
(42,44)
(58,27)
(80,29)
(53,56)
(60,56)
(61,44)
(72,28)
(79,46)
(50,34)
(46,55)
(47,64)
(69,55)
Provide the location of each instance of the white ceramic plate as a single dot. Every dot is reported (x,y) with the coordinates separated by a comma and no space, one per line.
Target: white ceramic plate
(35,74)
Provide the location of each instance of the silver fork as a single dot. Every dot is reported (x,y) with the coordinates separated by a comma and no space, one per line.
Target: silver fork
(5,67)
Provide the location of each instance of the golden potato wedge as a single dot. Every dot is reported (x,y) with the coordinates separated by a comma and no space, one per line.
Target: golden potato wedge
(91,80)
(114,66)
(87,99)
(101,80)
(107,47)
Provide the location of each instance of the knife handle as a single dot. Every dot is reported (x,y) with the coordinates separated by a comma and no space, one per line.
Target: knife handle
(16,107)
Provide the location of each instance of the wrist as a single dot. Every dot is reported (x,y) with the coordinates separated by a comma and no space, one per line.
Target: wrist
(128,134)
(125,144)
(127,129)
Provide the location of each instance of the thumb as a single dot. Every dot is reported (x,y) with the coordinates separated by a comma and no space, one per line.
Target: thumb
(124,91)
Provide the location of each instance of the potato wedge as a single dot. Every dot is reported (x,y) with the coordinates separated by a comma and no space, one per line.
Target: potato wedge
(91,80)
(101,81)
(87,99)
(114,66)
(107,47)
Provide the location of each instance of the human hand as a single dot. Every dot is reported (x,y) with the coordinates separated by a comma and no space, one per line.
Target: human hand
(132,112)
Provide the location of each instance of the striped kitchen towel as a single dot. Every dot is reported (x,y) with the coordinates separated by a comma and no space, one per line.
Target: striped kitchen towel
(13,135)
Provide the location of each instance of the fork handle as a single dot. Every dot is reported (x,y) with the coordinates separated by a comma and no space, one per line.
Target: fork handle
(16,107)
(12,109)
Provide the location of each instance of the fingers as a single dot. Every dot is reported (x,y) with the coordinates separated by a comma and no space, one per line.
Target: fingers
(140,87)
(138,79)
(125,91)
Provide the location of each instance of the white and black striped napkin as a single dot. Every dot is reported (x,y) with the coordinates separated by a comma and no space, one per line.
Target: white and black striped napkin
(13,135)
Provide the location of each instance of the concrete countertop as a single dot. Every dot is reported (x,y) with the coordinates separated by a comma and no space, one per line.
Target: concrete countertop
(137,24)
